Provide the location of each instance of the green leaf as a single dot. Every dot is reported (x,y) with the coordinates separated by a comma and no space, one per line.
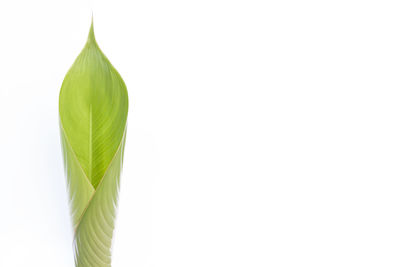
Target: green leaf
(93,109)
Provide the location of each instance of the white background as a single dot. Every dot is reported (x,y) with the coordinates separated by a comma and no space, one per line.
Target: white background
(261,133)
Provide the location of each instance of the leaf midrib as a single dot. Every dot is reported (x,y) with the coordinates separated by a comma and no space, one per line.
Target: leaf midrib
(91,145)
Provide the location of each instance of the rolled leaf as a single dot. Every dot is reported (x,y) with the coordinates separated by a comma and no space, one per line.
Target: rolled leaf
(93,109)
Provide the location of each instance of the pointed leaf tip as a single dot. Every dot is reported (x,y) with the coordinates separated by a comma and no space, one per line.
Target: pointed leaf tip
(91,37)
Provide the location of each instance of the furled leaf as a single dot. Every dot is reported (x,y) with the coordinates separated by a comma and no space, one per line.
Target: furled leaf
(93,108)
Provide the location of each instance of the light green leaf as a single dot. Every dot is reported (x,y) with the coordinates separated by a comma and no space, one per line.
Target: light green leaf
(93,110)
